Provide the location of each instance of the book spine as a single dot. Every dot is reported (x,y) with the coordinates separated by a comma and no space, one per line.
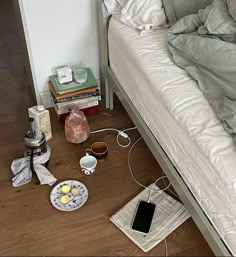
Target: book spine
(75,97)
(73,103)
(81,106)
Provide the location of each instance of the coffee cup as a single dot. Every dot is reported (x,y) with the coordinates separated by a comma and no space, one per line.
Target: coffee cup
(88,164)
(98,150)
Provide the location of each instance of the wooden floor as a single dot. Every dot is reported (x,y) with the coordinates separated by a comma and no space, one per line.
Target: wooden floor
(30,225)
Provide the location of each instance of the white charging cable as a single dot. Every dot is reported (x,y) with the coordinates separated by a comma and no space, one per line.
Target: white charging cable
(150,189)
(120,133)
(158,191)
(131,172)
(125,135)
(170,189)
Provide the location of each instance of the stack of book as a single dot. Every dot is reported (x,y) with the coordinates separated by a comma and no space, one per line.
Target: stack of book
(66,96)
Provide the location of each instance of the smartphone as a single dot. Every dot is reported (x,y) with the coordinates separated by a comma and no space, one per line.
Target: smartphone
(143,217)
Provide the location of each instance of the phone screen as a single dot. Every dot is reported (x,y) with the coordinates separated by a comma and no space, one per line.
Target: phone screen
(143,217)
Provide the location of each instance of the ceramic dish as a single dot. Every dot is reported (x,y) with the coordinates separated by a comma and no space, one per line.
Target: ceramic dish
(73,202)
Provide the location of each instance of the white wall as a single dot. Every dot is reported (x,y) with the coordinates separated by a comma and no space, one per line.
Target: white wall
(59,32)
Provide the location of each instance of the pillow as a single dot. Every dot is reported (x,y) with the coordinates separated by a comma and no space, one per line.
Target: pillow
(176,9)
(144,15)
(114,6)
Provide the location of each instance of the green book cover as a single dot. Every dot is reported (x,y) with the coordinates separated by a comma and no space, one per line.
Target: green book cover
(73,85)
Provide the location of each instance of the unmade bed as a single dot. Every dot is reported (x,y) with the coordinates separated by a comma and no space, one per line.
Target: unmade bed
(183,123)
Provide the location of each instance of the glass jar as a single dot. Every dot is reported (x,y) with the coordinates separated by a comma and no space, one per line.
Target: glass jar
(80,73)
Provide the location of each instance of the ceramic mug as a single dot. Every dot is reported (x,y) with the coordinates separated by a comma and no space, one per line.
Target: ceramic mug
(88,164)
(98,150)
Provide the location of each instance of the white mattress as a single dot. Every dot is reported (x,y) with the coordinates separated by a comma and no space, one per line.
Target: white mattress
(181,119)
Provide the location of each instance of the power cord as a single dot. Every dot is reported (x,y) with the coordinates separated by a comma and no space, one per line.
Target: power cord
(131,172)
(158,191)
(120,133)
(151,190)
(170,189)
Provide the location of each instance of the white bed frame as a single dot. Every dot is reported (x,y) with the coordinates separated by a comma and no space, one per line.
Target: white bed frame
(111,85)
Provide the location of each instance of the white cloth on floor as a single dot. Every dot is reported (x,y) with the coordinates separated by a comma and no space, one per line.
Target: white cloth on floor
(23,174)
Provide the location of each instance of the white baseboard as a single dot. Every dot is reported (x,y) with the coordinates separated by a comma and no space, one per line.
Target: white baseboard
(45,97)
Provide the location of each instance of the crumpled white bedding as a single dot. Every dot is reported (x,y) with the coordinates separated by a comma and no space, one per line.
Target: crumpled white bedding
(182,120)
(144,15)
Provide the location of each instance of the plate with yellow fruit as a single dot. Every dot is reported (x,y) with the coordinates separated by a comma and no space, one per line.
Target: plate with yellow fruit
(69,195)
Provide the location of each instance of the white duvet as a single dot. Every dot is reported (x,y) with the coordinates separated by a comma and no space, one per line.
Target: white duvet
(182,120)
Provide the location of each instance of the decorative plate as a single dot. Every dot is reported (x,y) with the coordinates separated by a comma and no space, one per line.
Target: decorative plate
(62,196)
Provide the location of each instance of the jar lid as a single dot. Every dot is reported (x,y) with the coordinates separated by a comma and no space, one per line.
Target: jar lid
(40,108)
(34,138)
